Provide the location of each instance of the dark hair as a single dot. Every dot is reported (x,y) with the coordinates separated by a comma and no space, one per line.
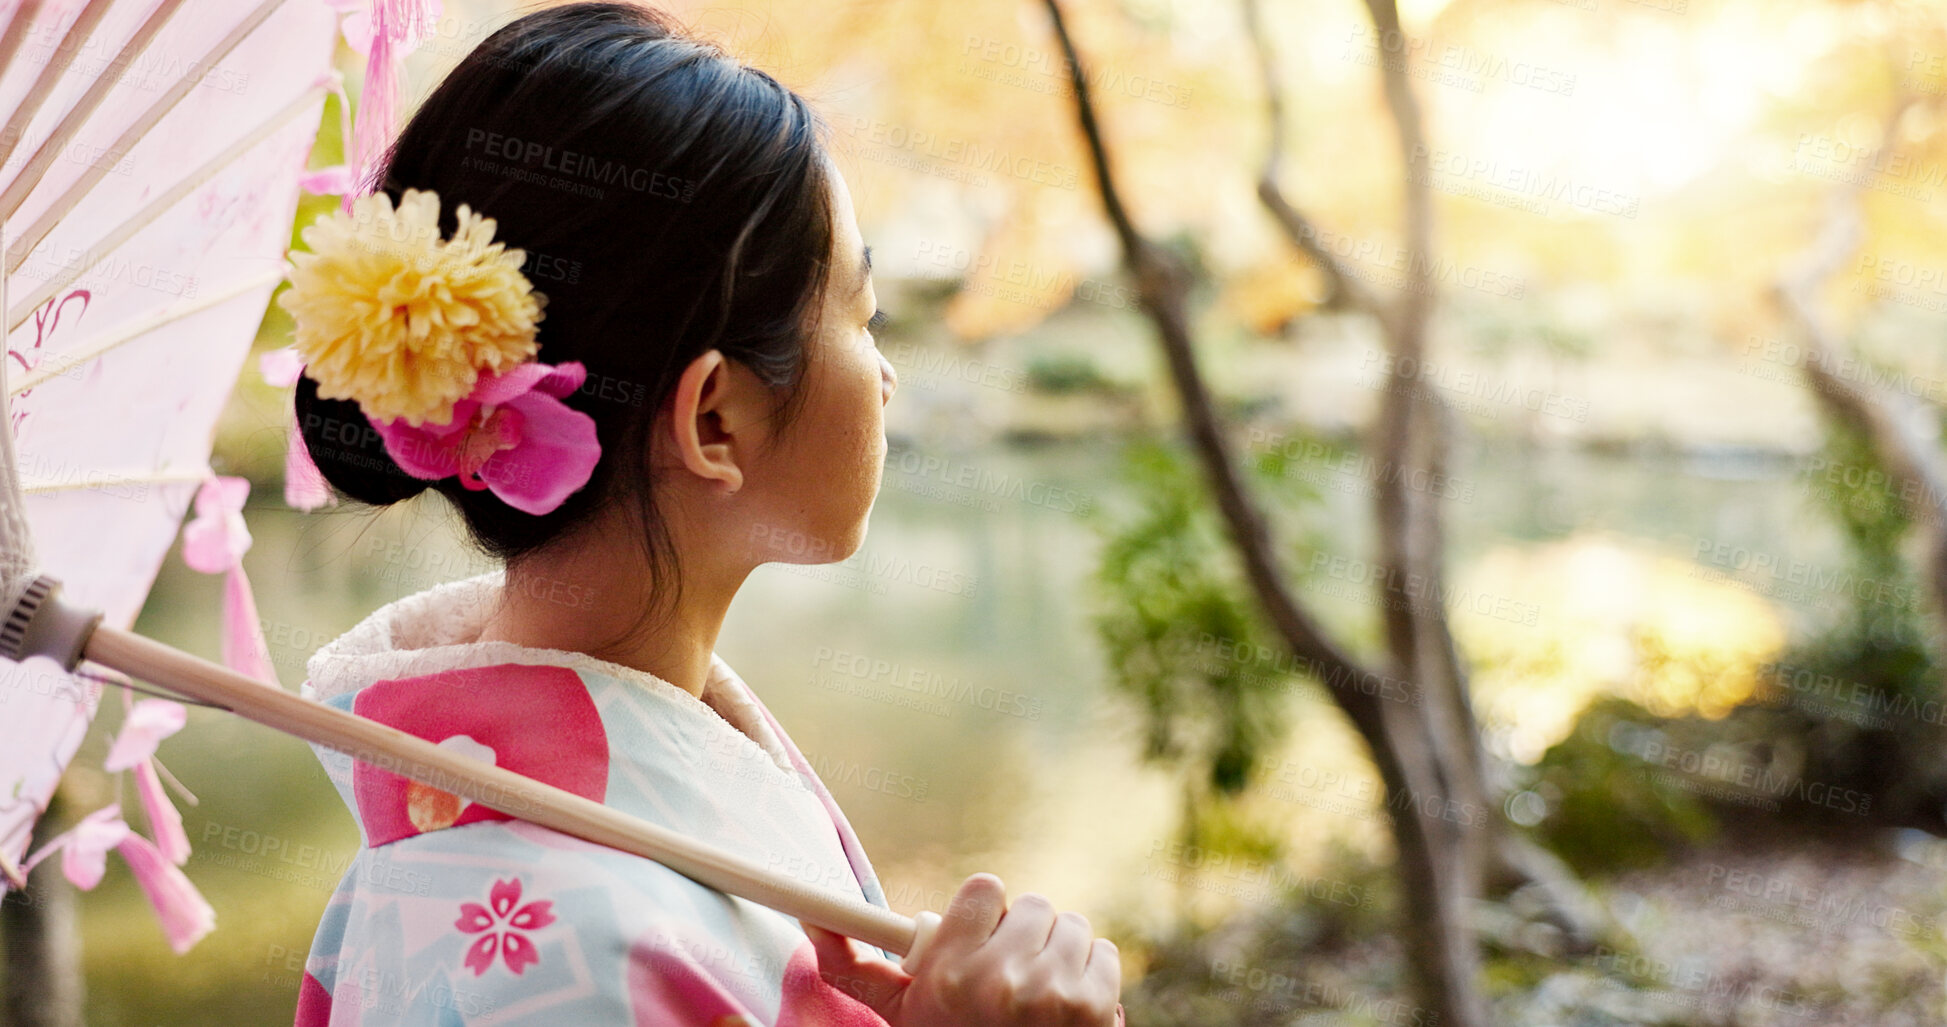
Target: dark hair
(670,200)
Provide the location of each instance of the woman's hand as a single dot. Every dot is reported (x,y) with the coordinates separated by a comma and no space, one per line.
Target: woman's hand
(990,964)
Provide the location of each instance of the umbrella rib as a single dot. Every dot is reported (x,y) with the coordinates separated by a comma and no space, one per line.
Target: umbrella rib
(51,72)
(97,478)
(96,170)
(61,363)
(161,204)
(121,680)
(36,167)
(23,17)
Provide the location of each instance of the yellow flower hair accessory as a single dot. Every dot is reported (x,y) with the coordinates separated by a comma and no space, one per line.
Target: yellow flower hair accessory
(392,316)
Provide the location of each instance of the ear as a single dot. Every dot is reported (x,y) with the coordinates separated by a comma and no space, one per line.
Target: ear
(716,416)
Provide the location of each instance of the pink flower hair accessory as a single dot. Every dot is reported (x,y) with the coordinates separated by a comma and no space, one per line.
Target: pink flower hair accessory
(511,434)
(435,338)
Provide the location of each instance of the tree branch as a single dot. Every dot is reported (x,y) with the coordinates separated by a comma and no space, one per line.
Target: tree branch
(1163,288)
(1411,131)
(1885,418)
(1346,287)
(1413,424)
(1437,880)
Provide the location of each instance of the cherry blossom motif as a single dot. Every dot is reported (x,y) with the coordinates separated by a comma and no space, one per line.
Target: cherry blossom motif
(502,925)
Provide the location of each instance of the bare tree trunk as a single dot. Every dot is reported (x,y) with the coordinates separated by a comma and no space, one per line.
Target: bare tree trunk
(37,933)
(1414,431)
(1883,417)
(1436,876)
(1411,438)
(1411,435)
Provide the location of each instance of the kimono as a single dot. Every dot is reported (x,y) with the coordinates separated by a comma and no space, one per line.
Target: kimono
(453,913)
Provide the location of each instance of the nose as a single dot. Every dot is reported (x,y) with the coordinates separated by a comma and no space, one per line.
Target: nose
(888,379)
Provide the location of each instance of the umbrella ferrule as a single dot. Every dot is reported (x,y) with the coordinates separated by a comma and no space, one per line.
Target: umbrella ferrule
(40,624)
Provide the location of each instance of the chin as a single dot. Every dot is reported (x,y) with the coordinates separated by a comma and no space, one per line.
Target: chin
(819,546)
(831,537)
(850,541)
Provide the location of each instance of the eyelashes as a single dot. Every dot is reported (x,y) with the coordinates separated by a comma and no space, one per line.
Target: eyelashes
(878,322)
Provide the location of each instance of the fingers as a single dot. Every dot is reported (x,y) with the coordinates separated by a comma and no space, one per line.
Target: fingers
(1104,969)
(874,982)
(970,918)
(1069,944)
(1016,963)
(1025,929)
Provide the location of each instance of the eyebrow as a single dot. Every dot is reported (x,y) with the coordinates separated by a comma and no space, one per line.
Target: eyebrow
(865,271)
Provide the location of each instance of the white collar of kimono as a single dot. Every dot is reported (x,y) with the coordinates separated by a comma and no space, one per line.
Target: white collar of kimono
(434,630)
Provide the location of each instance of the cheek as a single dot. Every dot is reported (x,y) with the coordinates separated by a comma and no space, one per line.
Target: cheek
(844,418)
(864,414)
(857,383)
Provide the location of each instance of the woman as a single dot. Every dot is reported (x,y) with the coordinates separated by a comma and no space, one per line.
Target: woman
(689,267)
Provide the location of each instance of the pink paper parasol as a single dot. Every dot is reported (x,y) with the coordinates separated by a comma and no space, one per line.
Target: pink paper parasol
(143,232)
(150,157)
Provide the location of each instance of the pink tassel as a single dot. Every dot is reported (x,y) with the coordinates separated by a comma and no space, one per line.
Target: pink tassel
(84,847)
(214,542)
(396,27)
(304,485)
(164,820)
(244,648)
(304,488)
(148,722)
(186,917)
(376,105)
(217,537)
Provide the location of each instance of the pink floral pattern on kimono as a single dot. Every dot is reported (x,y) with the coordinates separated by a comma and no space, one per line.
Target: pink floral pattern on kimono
(536,721)
(503,927)
(454,913)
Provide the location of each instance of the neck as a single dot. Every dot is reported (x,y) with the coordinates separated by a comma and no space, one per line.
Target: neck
(590,598)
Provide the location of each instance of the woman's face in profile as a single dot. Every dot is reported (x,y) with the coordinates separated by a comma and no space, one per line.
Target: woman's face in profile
(829,461)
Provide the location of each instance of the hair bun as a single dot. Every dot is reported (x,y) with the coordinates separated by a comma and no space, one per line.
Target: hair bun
(349,452)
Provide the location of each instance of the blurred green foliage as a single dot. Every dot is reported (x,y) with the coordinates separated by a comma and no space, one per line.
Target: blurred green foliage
(1064,373)
(1173,611)
(1183,637)
(1609,810)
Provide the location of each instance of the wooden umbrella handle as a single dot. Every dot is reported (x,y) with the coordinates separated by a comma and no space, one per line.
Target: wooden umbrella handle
(513,794)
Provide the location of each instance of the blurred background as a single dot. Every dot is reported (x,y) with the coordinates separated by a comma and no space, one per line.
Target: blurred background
(1578,371)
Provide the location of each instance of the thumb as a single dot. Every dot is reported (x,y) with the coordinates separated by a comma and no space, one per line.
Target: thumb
(873,981)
